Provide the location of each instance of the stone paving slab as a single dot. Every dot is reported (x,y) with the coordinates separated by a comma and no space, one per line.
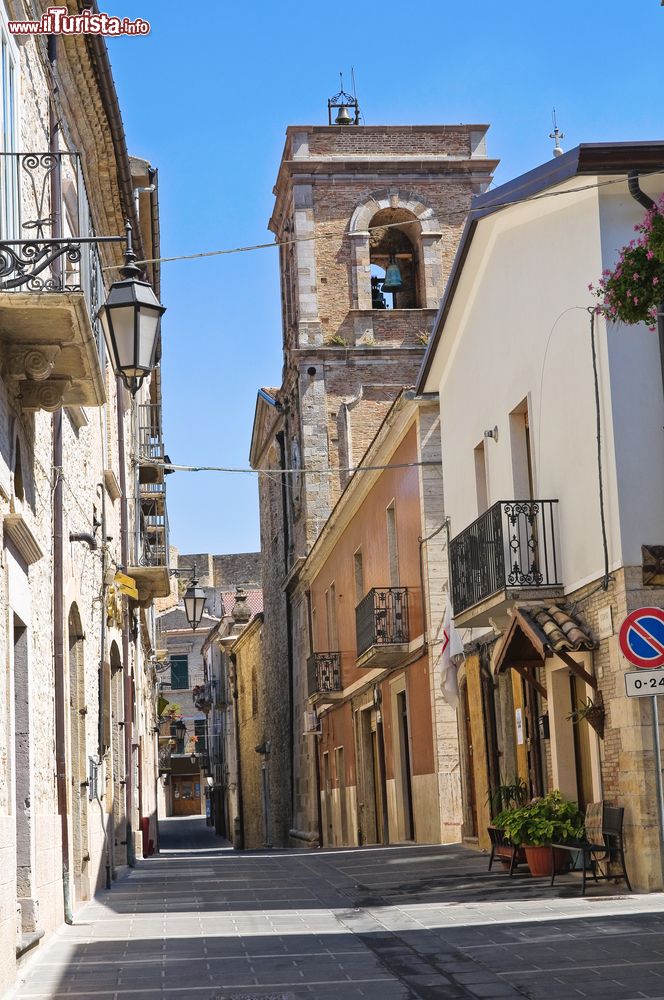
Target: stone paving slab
(408,923)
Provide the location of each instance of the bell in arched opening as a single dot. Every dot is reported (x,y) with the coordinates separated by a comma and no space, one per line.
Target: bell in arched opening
(393,281)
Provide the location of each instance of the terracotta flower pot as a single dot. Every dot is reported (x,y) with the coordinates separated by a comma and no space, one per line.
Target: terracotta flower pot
(539,860)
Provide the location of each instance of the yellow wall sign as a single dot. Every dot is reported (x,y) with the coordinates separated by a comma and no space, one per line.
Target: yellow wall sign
(126,585)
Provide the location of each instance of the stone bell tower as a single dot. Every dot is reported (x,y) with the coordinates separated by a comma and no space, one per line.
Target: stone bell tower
(369,218)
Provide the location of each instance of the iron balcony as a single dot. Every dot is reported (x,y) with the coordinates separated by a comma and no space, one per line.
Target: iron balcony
(508,554)
(323,674)
(382,627)
(150,446)
(51,282)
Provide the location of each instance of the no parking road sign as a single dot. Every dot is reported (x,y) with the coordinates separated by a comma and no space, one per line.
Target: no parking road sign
(642,637)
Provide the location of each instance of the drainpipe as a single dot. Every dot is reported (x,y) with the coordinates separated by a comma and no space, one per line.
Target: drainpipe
(59,662)
(128,698)
(101,490)
(58,553)
(647,203)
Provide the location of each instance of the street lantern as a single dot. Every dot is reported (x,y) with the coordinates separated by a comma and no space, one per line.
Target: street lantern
(194,602)
(180,730)
(131,318)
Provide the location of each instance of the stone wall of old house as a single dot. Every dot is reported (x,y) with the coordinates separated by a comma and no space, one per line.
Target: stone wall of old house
(31,861)
(236,569)
(275,668)
(628,767)
(247,651)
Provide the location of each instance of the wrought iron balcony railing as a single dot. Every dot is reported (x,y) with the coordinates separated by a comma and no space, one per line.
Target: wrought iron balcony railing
(381,618)
(150,438)
(324,673)
(43,201)
(154,539)
(511,546)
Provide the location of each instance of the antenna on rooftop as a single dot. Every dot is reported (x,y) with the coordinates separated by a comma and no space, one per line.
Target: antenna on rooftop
(556,135)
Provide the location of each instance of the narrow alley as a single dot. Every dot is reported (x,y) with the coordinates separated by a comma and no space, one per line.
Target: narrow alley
(201,921)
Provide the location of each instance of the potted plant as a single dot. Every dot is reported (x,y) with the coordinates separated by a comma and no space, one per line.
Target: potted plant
(540,823)
(506,796)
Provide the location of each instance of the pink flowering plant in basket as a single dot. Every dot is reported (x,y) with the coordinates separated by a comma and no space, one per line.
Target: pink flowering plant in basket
(632,290)
(652,230)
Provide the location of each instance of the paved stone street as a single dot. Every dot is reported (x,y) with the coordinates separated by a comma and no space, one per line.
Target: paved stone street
(201,921)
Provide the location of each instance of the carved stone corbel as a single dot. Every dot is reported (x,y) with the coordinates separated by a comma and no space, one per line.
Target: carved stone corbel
(46,395)
(35,363)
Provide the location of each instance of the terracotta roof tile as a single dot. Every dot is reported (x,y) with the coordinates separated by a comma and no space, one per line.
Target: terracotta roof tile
(561,632)
(254,600)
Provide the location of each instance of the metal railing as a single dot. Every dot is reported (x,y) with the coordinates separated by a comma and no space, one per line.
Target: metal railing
(43,200)
(154,539)
(324,673)
(150,438)
(381,618)
(513,544)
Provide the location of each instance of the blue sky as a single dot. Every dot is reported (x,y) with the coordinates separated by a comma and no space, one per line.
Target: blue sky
(207,96)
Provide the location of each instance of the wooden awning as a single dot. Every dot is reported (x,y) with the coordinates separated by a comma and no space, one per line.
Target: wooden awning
(538,632)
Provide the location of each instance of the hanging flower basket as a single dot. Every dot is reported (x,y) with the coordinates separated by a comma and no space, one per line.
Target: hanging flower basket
(632,290)
(593,712)
(652,229)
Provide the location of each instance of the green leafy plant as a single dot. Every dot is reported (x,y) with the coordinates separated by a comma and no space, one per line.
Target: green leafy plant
(551,819)
(336,340)
(510,795)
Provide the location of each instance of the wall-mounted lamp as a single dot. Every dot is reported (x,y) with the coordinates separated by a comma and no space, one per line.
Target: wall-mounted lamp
(492,433)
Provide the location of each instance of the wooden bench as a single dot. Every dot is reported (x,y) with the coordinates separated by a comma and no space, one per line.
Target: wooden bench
(604,846)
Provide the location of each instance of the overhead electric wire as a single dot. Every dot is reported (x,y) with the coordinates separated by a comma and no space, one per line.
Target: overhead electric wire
(328,469)
(460,215)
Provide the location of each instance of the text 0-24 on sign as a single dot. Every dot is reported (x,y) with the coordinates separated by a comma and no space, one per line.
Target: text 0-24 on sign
(643,683)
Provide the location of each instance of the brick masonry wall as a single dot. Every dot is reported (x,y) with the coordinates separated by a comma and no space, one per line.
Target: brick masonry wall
(627,761)
(405,140)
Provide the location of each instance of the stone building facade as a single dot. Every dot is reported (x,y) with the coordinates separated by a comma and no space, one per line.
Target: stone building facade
(77,706)
(182,683)
(349,201)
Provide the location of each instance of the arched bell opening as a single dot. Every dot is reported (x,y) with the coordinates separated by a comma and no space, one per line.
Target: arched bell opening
(393,259)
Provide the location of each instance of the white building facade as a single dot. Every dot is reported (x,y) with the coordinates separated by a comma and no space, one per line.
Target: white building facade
(532,469)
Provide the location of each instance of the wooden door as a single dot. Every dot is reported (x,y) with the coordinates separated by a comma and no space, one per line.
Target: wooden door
(470,769)
(186,795)
(582,737)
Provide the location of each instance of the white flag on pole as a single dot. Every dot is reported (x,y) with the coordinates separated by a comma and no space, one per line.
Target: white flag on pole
(452,646)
